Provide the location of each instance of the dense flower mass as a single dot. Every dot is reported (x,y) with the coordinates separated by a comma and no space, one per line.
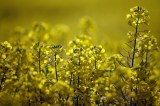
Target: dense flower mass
(38,70)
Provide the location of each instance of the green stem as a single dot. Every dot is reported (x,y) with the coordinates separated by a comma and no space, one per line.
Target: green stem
(131,98)
(71,78)
(41,97)
(77,101)
(134,49)
(39,58)
(29,101)
(95,63)
(3,76)
(146,63)
(133,55)
(103,102)
(55,65)
(78,83)
(2,80)
(18,67)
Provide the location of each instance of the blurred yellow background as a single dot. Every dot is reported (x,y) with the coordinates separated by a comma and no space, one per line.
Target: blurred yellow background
(109,15)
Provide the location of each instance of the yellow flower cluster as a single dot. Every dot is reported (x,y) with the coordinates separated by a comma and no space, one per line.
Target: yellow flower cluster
(38,70)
